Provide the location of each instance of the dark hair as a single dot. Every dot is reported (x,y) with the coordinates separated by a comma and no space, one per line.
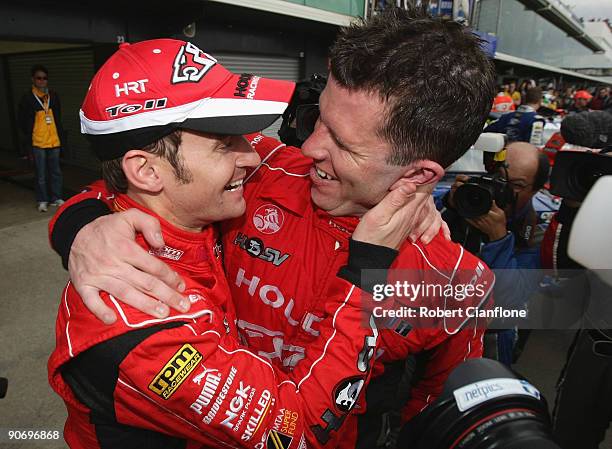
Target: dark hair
(167,148)
(437,81)
(533,95)
(543,172)
(38,68)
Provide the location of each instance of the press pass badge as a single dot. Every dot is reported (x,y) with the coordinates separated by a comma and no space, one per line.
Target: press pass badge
(48,119)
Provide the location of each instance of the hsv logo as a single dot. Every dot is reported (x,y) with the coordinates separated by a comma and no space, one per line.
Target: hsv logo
(256,248)
(191,64)
(268,219)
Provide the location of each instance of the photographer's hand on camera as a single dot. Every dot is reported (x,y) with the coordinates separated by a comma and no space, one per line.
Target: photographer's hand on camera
(493,223)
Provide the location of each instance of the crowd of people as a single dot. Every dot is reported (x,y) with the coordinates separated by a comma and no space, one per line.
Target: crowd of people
(564,99)
(220,279)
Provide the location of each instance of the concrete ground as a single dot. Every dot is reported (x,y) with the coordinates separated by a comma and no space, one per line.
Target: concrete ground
(30,286)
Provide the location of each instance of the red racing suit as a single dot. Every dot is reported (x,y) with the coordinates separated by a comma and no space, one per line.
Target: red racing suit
(281,258)
(283,253)
(186,381)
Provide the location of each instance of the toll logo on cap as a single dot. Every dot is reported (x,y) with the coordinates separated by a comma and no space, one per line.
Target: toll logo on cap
(191,64)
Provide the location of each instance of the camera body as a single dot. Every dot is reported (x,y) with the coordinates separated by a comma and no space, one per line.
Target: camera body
(575,172)
(475,197)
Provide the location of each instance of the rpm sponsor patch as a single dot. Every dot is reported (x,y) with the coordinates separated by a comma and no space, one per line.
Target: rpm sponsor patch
(277,440)
(174,373)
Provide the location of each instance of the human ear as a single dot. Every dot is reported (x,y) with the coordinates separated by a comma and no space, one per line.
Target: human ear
(142,171)
(423,172)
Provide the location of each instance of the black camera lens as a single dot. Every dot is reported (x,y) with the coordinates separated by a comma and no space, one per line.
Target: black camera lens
(473,200)
(484,405)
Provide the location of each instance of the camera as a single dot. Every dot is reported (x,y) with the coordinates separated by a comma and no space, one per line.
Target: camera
(303,111)
(575,172)
(475,197)
(484,405)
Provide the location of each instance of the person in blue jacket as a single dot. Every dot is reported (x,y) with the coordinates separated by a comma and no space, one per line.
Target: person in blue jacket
(507,240)
(519,125)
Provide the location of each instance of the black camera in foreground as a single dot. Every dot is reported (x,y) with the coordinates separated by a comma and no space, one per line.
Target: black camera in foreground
(475,197)
(484,405)
(575,172)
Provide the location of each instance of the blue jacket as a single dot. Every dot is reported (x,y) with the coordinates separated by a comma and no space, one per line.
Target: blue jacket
(517,125)
(516,264)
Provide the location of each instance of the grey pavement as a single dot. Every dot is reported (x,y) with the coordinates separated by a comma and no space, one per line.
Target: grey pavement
(30,287)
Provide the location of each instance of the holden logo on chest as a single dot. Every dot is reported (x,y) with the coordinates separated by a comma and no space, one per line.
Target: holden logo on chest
(268,219)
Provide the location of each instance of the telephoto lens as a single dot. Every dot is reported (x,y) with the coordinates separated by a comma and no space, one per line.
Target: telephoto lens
(484,405)
(475,197)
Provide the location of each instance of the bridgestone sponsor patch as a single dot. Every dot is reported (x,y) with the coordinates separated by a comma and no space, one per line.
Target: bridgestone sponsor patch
(174,373)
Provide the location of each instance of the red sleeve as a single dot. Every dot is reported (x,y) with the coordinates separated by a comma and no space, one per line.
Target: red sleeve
(220,393)
(466,344)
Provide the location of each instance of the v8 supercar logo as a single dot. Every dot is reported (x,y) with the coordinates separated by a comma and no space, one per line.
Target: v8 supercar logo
(191,64)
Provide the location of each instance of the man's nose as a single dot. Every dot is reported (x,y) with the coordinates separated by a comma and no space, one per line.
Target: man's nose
(314,146)
(247,156)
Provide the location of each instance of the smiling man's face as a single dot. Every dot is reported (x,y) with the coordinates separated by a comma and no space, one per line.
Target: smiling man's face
(350,172)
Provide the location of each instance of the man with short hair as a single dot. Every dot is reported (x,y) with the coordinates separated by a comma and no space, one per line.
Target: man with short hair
(398,107)
(39,118)
(519,125)
(186,381)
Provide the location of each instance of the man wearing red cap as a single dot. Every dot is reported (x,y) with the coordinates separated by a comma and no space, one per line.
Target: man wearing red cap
(392,112)
(581,101)
(167,122)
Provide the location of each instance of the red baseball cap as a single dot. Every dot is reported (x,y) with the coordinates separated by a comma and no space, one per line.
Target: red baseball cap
(583,94)
(148,89)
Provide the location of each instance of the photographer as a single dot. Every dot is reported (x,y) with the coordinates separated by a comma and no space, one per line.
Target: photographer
(506,238)
(583,406)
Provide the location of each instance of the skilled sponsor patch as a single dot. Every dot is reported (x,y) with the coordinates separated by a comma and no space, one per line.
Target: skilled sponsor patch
(277,440)
(268,219)
(260,410)
(347,392)
(174,373)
